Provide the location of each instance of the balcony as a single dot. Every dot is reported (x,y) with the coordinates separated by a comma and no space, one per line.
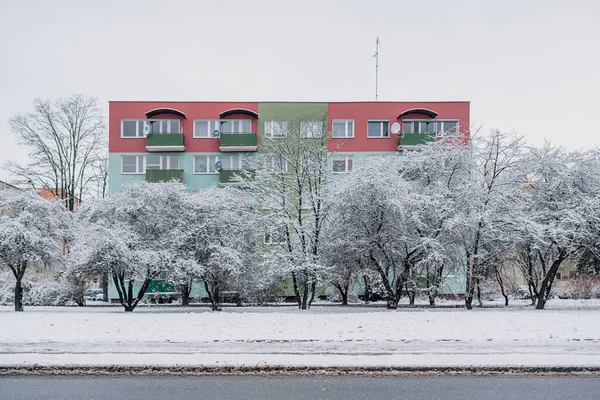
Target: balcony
(164,142)
(226,176)
(237,142)
(164,175)
(411,141)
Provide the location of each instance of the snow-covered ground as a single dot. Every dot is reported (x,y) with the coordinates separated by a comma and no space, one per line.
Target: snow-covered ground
(567,334)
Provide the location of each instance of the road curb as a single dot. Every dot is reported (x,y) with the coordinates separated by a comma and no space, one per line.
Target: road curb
(281,370)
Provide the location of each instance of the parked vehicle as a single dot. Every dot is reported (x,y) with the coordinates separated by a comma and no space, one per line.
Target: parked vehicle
(94,295)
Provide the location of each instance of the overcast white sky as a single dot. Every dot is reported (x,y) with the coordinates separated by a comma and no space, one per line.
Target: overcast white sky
(532,66)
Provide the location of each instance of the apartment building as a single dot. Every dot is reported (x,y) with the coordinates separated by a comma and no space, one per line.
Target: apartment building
(157,141)
(205,143)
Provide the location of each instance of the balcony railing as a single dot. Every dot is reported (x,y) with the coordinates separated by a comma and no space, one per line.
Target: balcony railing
(408,140)
(226,175)
(164,175)
(165,142)
(237,142)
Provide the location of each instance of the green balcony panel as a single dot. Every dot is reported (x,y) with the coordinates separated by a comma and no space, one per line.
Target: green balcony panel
(165,142)
(237,142)
(164,175)
(226,176)
(415,139)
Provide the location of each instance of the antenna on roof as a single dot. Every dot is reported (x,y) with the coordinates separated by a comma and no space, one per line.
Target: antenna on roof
(376,55)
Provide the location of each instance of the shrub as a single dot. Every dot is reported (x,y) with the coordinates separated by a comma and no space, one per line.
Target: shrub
(581,287)
(37,291)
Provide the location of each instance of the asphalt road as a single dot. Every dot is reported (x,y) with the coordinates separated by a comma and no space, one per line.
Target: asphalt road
(327,388)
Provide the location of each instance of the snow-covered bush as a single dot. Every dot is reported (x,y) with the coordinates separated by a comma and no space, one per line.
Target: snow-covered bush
(32,230)
(37,291)
(581,287)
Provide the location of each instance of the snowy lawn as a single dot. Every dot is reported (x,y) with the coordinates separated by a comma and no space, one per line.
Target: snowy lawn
(568,333)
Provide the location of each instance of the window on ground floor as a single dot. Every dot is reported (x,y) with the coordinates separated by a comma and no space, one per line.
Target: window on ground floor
(162,162)
(275,235)
(208,164)
(342,164)
(140,164)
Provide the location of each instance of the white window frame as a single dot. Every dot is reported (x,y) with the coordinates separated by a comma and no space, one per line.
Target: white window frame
(420,121)
(381,121)
(440,132)
(215,124)
(269,125)
(347,134)
(313,167)
(139,131)
(345,159)
(269,164)
(437,131)
(164,162)
(216,158)
(169,130)
(268,234)
(238,123)
(239,164)
(137,164)
(317,127)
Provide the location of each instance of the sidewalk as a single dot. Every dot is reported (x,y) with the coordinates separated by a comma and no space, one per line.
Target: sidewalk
(289,337)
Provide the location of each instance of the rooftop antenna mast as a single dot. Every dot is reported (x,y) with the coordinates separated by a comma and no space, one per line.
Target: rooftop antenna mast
(377,46)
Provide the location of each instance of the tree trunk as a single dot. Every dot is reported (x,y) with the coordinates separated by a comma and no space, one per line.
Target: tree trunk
(313,291)
(391,304)
(345,298)
(304,296)
(128,301)
(296,290)
(104,283)
(544,291)
(501,283)
(470,287)
(343,292)
(532,296)
(469,301)
(367,289)
(412,294)
(431,300)
(216,295)
(18,295)
(213,295)
(185,294)
(478,293)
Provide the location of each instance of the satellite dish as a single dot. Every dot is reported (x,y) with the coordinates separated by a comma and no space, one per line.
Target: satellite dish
(396,128)
(146,129)
(216,134)
(218,164)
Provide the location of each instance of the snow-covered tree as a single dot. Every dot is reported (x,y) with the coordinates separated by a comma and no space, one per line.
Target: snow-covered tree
(367,217)
(65,140)
(133,236)
(32,229)
(560,214)
(346,264)
(289,184)
(219,244)
(429,249)
(485,202)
